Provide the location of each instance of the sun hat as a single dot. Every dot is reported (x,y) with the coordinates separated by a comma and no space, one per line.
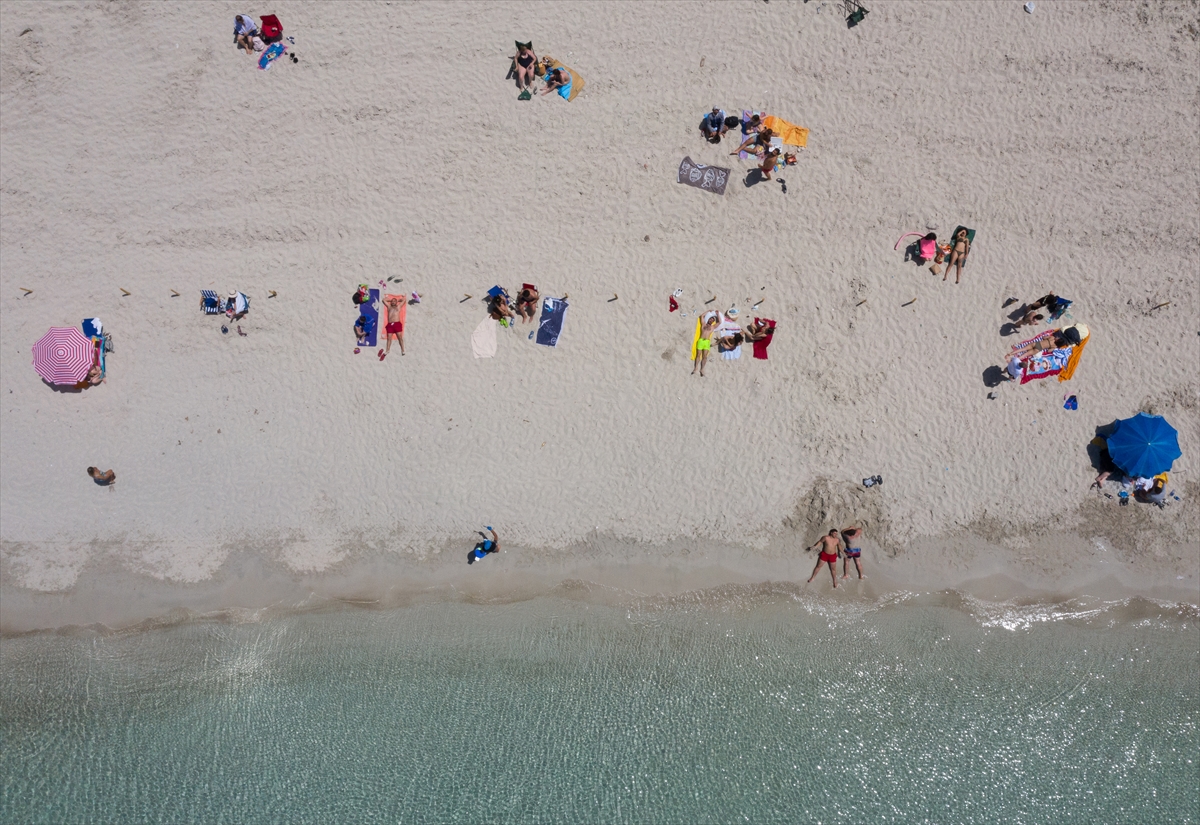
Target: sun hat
(732,312)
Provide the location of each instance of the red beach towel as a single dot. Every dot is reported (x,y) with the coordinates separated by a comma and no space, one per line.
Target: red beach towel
(760,347)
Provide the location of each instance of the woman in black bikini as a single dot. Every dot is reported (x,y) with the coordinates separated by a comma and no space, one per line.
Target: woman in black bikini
(525,62)
(958,256)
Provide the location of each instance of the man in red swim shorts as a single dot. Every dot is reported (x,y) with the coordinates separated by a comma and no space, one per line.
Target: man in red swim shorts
(395,326)
(829,555)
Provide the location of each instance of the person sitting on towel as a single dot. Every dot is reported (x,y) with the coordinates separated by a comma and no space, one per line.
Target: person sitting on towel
(753,126)
(244,32)
(758,331)
(713,126)
(729,343)
(362,328)
(527,301)
(499,309)
(756,143)
(556,79)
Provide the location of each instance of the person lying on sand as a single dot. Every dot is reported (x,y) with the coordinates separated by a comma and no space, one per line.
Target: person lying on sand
(958,255)
(102,478)
(527,301)
(556,79)
(829,555)
(1055,341)
(757,143)
(713,126)
(395,327)
(244,32)
(1028,319)
(526,62)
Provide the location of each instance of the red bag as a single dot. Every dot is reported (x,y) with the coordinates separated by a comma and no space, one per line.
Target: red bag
(271,28)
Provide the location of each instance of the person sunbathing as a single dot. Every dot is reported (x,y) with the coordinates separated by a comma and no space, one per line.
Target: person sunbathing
(704,343)
(756,143)
(753,125)
(1055,341)
(728,343)
(713,126)
(526,63)
(102,478)
(557,79)
(958,255)
(395,327)
(527,301)
(1028,319)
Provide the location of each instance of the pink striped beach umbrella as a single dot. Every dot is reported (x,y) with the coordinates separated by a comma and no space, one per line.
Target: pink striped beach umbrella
(63,356)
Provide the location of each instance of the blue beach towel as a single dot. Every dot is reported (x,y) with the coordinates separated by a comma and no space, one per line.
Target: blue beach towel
(92,327)
(272,53)
(550,324)
(368,310)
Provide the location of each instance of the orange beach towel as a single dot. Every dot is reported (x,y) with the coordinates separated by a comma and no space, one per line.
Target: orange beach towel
(789,133)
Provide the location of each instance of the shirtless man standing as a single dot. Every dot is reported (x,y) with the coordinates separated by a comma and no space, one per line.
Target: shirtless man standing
(395,327)
(852,536)
(829,555)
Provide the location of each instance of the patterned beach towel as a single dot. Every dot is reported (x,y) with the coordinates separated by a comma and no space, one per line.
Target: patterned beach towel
(709,178)
(270,55)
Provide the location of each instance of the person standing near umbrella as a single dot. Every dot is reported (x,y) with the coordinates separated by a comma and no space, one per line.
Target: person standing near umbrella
(104,479)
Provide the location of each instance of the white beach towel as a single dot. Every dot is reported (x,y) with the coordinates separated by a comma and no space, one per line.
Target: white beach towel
(483,339)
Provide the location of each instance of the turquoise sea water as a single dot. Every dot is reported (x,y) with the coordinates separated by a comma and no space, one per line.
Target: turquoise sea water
(744,704)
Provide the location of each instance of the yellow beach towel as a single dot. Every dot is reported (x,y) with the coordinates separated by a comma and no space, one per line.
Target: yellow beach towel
(1073,361)
(577,82)
(696,338)
(789,133)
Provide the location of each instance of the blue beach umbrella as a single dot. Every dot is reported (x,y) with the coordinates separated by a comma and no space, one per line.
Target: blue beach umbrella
(1144,445)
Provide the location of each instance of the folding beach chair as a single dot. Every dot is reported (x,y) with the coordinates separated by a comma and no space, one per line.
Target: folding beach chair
(211,302)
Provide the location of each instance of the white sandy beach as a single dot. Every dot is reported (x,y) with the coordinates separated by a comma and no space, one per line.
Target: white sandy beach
(140,150)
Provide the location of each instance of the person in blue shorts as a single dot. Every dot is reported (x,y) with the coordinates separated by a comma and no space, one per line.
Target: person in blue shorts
(484,547)
(852,536)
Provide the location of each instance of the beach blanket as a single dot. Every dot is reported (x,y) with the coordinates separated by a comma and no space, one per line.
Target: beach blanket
(727,329)
(370,310)
(732,354)
(211,302)
(270,55)
(709,178)
(1045,364)
(760,347)
(1068,372)
(776,143)
(695,339)
(403,312)
(788,133)
(483,339)
(572,89)
(92,327)
(554,310)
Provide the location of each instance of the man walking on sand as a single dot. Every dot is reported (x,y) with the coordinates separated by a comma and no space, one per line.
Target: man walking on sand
(829,555)
(852,536)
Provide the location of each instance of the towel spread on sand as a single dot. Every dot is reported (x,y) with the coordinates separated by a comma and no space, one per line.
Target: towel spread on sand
(368,309)
(554,310)
(403,311)
(695,339)
(788,133)
(760,347)
(709,178)
(572,89)
(1068,372)
(483,339)
(273,53)
(1047,364)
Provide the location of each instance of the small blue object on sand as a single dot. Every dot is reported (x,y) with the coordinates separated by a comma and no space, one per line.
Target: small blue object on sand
(551,322)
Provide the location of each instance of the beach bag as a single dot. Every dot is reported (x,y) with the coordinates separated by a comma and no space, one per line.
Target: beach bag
(271,28)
